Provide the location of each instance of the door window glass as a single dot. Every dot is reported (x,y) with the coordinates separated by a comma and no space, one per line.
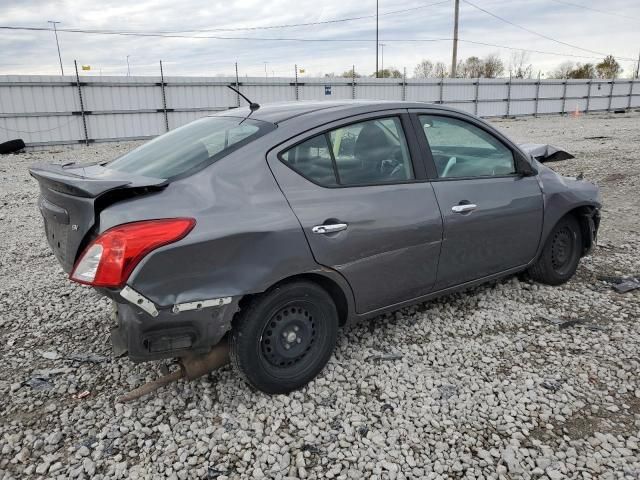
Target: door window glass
(461,149)
(364,153)
(312,159)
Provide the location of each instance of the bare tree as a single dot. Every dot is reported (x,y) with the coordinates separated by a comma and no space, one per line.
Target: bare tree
(492,66)
(608,68)
(563,70)
(519,65)
(440,70)
(423,70)
(472,67)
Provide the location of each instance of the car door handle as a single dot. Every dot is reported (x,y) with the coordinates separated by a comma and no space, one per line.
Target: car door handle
(332,228)
(467,207)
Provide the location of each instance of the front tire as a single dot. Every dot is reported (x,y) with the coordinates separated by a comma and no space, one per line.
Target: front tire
(561,253)
(284,337)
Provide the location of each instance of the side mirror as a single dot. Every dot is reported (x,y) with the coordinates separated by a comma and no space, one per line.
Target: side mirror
(524,167)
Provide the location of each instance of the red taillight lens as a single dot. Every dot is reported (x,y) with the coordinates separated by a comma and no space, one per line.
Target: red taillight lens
(109,259)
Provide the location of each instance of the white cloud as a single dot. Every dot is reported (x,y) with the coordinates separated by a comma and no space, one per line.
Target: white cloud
(35,52)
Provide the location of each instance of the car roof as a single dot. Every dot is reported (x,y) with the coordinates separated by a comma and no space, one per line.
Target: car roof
(283,111)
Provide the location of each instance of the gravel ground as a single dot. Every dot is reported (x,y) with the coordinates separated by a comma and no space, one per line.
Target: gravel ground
(488,384)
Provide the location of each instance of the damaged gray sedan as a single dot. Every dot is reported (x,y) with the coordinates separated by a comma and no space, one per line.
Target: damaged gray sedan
(269,228)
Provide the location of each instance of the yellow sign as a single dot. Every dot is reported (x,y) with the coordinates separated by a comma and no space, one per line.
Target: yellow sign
(301,70)
(86,67)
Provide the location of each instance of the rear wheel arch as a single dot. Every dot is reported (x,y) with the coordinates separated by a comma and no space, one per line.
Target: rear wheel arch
(337,292)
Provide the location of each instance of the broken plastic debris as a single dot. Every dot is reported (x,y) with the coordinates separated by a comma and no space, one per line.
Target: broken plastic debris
(621,284)
(81,395)
(552,385)
(87,358)
(627,285)
(39,383)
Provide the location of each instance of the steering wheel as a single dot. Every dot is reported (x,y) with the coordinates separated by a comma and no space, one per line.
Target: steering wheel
(392,162)
(450,164)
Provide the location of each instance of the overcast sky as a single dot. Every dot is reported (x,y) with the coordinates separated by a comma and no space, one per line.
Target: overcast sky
(34,52)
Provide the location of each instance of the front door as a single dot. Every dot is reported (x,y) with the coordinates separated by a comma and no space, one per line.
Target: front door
(354,190)
(492,214)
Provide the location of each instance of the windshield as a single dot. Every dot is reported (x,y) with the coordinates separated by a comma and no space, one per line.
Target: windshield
(190,147)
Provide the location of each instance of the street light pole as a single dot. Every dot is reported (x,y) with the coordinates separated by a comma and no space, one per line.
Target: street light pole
(55,31)
(382,45)
(266,75)
(377,71)
(454,57)
(128,69)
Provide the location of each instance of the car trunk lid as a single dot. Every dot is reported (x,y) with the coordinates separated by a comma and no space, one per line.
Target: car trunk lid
(72,196)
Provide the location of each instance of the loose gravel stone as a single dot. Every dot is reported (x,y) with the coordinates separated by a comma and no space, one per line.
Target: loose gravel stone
(481,384)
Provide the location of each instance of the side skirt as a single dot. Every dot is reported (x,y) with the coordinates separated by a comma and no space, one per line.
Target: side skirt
(439,293)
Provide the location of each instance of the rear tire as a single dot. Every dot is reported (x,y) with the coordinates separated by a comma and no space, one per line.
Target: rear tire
(561,253)
(284,337)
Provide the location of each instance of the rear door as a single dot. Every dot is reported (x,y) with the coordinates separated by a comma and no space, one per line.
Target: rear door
(492,214)
(365,208)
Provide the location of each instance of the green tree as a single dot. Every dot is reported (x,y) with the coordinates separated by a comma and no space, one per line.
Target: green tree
(350,74)
(583,71)
(390,72)
(608,68)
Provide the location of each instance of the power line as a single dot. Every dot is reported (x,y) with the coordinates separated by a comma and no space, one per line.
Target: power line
(595,10)
(289,25)
(542,35)
(294,39)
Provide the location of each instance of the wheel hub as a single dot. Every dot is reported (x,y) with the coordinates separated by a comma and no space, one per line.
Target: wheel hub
(561,249)
(288,336)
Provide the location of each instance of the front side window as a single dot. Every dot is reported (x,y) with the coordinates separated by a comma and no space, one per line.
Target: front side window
(460,149)
(190,147)
(364,153)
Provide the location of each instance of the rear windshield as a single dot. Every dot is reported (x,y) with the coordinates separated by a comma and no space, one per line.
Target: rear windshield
(191,147)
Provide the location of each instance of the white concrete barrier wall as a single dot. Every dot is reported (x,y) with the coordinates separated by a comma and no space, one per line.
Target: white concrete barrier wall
(46,110)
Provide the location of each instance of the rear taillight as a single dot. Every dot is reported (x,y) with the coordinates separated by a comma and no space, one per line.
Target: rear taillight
(109,259)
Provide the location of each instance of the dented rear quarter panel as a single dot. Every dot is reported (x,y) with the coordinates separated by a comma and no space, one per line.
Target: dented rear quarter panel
(246,237)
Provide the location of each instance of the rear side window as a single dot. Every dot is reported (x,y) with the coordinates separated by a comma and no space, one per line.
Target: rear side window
(364,153)
(460,149)
(190,147)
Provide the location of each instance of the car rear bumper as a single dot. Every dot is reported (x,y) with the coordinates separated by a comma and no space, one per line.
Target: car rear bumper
(168,334)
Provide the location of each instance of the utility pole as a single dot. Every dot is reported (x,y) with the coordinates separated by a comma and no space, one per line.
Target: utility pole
(382,45)
(265,70)
(377,72)
(128,69)
(454,56)
(638,66)
(55,31)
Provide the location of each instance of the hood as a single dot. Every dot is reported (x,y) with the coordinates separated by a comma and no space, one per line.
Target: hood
(545,153)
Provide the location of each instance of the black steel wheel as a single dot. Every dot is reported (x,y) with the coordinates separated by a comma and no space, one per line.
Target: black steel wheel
(289,335)
(284,337)
(561,254)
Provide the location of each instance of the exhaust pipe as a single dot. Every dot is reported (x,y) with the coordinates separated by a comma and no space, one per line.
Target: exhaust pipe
(191,367)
